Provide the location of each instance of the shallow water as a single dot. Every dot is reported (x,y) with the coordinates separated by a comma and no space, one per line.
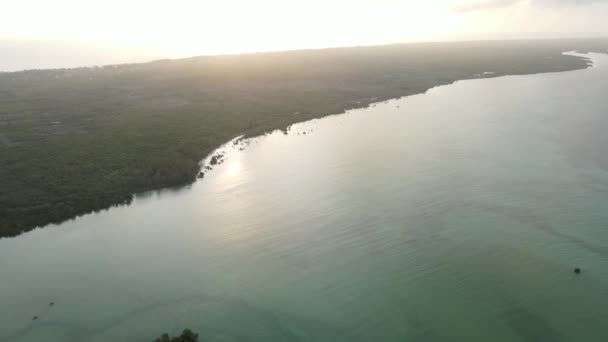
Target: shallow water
(455,215)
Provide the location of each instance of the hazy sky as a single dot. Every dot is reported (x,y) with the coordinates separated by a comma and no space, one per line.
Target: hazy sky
(175,28)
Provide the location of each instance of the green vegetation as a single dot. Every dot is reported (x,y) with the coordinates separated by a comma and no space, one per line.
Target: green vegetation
(73,141)
(186,336)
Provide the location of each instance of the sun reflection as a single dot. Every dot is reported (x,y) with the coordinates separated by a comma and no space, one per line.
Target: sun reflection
(233,168)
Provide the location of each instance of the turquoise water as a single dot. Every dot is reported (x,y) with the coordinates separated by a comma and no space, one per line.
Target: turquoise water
(455,215)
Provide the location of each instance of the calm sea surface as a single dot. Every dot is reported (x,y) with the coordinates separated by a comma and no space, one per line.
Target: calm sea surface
(455,215)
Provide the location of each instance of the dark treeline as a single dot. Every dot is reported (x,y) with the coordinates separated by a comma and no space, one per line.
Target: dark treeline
(74,141)
(186,336)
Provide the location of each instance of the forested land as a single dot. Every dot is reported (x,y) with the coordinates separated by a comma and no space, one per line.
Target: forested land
(73,141)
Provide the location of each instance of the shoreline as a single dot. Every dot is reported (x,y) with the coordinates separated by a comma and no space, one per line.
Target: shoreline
(285,122)
(207,167)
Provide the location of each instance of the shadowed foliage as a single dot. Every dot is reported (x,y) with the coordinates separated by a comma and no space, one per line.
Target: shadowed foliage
(186,336)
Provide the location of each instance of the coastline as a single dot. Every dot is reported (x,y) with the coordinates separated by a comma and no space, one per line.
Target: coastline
(338,108)
(206,166)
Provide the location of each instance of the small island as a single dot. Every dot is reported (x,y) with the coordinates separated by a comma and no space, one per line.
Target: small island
(186,336)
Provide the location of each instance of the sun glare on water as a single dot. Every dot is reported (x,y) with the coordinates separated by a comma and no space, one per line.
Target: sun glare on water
(233,169)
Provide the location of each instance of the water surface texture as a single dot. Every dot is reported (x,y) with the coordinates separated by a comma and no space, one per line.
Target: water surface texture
(455,215)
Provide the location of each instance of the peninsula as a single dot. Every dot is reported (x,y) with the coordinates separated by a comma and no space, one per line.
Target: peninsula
(74,141)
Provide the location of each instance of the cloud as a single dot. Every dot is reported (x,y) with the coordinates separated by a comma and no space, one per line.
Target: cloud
(480,5)
(568,2)
(470,6)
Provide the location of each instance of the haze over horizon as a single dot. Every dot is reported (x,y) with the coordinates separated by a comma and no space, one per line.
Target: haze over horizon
(67,33)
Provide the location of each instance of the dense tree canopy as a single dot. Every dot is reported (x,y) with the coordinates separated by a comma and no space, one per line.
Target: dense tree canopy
(186,336)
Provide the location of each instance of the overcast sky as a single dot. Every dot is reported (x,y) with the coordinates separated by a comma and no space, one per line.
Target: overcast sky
(192,27)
